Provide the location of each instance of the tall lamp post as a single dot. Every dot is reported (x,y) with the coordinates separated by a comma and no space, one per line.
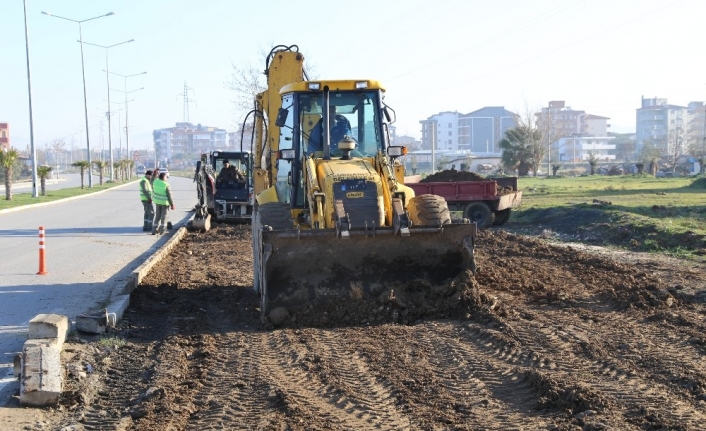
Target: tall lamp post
(125,92)
(33,154)
(83,75)
(107,79)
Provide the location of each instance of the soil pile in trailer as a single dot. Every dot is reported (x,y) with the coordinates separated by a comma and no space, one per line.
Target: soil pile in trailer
(450,175)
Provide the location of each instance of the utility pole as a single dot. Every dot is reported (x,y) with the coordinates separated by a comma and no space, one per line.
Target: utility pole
(185,95)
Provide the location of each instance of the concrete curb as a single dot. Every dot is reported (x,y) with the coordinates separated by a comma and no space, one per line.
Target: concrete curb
(97,322)
(39,364)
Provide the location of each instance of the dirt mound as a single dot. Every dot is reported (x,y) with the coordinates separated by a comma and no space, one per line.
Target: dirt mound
(451,176)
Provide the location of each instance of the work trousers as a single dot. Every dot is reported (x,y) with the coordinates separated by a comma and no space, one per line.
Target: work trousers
(160,218)
(149,214)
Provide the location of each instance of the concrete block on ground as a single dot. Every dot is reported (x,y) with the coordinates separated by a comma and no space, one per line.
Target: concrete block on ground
(97,322)
(117,308)
(49,326)
(92,323)
(41,379)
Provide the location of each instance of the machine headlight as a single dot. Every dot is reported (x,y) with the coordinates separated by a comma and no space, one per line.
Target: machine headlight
(314,86)
(362,84)
(287,154)
(396,151)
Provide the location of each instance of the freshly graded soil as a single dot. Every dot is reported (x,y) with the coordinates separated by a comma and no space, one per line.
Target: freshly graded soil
(542,337)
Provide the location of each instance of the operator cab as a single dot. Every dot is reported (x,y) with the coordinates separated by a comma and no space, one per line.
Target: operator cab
(358,126)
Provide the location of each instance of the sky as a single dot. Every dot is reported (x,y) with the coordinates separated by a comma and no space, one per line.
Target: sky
(600,56)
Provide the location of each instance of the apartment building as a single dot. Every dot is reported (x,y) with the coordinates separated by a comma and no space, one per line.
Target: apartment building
(656,119)
(4,136)
(481,131)
(478,132)
(440,131)
(188,140)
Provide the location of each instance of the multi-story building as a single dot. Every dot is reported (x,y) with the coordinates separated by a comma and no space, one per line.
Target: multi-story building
(478,132)
(188,141)
(441,131)
(481,131)
(655,120)
(4,136)
(696,129)
(564,121)
(575,134)
(579,148)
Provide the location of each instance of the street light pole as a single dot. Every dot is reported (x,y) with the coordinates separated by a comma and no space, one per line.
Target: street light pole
(107,79)
(125,77)
(33,154)
(83,76)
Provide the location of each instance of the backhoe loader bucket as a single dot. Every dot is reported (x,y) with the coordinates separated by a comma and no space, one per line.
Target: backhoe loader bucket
(299,268)
(201,224)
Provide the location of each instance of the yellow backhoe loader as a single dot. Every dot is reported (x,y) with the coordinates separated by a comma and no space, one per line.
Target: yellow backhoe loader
(333,220)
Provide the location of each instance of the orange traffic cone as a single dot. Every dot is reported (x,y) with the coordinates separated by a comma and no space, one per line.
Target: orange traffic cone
(42,262)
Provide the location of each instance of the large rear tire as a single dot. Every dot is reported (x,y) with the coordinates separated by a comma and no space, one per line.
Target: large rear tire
(480,213)
(428,210)
(501,217)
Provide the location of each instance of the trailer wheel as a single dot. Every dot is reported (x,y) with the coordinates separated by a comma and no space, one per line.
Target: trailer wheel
(501,217)
(428,210)
(480,213)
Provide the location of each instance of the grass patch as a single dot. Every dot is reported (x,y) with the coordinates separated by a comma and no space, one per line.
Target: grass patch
(25,198)
(112,341)
(663,215)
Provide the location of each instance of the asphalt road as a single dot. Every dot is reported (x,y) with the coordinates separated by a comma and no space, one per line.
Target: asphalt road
(92,244)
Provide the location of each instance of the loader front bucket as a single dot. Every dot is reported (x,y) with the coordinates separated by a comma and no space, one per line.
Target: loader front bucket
(299,268)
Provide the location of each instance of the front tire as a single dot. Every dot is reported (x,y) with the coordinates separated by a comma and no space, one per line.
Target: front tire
(428,210)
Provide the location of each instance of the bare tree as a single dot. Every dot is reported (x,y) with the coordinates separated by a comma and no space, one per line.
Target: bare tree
(592,160)
(249,80)
(677,147)
(650,153)
(58,146)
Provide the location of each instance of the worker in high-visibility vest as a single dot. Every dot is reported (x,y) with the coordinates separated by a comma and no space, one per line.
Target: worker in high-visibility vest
(146,198)
(162,197)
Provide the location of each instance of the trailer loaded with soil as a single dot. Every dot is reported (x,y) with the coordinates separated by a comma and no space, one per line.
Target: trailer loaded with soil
(486,201)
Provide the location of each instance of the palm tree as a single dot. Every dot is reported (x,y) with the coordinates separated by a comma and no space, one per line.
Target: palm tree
(82,164)
(518,151)
(116,166)
(8,158)
(43,172)
(100,165)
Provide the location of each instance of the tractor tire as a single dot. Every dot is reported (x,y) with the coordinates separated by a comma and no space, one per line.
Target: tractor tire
(479,213)
(501,217)
(428,210)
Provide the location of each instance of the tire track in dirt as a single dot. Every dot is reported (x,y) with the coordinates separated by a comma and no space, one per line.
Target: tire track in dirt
(585,361)
(300,370)
(482,372)
(352,382)
(235,390)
